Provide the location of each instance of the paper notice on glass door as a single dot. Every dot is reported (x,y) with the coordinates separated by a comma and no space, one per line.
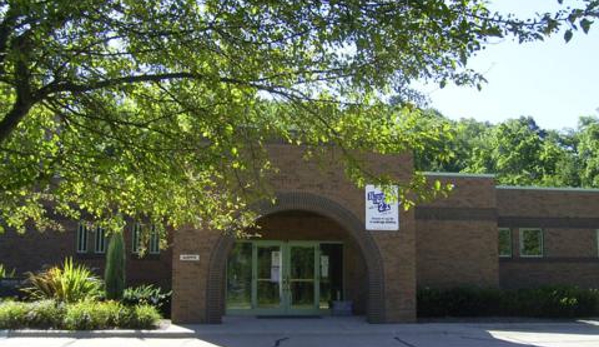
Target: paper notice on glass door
(324,266)
(275,266)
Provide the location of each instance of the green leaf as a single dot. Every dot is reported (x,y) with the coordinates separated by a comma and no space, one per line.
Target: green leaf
(585,24)
(568,35)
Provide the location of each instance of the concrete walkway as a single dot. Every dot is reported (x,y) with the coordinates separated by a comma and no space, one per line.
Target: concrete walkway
(328,331)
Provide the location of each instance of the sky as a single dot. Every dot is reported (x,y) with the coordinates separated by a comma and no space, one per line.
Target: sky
(551,81)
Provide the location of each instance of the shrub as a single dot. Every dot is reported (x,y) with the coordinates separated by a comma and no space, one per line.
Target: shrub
(13,314)
(114,275)
(144,317)
(148,294)
(44,314)
(551,302)
(71,283)
(83,315)
(87,315)
(5,273)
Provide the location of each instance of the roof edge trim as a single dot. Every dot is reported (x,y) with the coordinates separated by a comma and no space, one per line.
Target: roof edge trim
(556,189)
(458,174)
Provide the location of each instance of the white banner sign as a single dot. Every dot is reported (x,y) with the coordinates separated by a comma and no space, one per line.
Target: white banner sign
(380,213)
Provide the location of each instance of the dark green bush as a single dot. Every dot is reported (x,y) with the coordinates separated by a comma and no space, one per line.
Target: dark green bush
(148,294)
(83,315)
(550,302)
(114,274)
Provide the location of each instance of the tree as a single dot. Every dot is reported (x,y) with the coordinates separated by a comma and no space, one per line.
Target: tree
(587,142)
(518,151)
(114,274)
(159,109)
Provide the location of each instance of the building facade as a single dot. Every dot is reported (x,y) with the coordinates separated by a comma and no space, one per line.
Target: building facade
(314,251)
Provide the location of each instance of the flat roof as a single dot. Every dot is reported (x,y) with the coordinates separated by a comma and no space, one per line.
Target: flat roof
(474,175)
(458,174)
(556,189)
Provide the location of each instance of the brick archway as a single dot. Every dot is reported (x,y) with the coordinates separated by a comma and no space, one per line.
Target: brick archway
(375,308)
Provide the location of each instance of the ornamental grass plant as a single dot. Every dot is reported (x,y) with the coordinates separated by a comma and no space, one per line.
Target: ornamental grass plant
(68,283)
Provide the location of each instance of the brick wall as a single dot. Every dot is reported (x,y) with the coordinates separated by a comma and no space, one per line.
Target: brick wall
(456,237)
(449,242)
(569,220)
(297,179)
(33,251)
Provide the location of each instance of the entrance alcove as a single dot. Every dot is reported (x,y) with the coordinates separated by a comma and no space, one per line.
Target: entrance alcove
(298,264)
(309,220)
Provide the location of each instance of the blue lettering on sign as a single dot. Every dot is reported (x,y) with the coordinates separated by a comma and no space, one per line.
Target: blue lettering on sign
(379,201)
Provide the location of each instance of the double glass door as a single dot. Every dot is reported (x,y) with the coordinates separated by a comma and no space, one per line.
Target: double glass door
(275,277)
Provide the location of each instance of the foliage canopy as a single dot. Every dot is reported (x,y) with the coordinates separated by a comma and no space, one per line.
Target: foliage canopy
(518,151)
(159,110)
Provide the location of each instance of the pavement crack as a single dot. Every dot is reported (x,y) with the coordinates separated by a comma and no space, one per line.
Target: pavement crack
(278,342)
(405,343)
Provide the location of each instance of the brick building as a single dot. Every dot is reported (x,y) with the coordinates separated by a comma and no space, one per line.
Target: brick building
(314,247)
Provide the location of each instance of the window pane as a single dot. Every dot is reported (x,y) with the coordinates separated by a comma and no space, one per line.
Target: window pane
(154,241)
(531,243)
(331,274)
(302,262)
(81,238)
(239,277)
(136,238)
(505,243)
(100,241)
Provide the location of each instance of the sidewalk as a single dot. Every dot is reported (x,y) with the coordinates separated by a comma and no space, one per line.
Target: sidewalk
(235,326)
(325,332)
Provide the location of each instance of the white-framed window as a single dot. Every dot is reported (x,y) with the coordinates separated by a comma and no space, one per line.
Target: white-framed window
(505,242)
(136,239)
(154,241)
(100,244)
(82,232)
(531,242)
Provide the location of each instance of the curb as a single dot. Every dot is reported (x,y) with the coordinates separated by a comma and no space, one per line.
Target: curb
(97,333)
(85,334)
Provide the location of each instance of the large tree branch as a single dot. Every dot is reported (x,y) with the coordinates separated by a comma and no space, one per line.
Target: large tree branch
(73,87)
(24,98)
(10,121)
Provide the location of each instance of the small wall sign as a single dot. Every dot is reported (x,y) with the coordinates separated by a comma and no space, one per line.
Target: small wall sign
(189,257)
(381,214)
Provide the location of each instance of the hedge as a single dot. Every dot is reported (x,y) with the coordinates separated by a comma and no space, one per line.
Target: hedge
(83,315)
(545,302)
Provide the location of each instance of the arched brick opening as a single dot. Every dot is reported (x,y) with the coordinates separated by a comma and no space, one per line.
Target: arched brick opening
(375,303)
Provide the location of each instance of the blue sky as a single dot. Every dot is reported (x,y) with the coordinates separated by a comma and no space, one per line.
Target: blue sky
(552,81)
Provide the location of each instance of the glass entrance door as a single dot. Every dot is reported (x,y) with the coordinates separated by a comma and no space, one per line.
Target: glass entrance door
(301,278)
(268,279)
(283,278)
